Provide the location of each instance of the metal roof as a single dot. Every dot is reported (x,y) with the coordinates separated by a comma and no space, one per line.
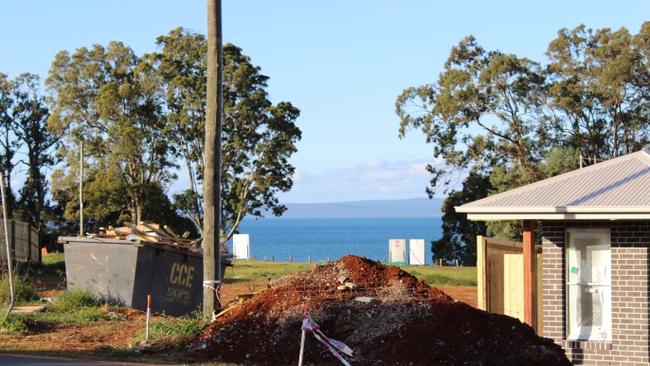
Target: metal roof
(614,189)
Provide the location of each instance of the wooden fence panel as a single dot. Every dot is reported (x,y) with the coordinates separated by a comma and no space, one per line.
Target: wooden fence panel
(23,242)
(513,284)
(21,239)
(500,271)
(34,244)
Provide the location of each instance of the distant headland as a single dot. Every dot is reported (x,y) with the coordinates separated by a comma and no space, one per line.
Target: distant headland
(412,207)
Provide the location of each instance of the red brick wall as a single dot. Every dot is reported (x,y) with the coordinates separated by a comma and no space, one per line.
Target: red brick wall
(630,261)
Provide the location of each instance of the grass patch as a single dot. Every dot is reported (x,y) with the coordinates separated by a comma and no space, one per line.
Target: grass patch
(52,269)
(74,300)
(176,332)
(433,275)
(250,270)
(80,316)
(29,277)
(13,324)
(54,260)
(444,276)
(24,291)
(75,307)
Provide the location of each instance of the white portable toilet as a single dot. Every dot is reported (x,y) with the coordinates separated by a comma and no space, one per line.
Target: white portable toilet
(241,246)
(416,252)
(397,250)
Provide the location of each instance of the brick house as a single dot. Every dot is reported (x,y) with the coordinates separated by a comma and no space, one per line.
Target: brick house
(594,225)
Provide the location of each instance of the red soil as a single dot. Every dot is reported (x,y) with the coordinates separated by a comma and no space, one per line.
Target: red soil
(410,323)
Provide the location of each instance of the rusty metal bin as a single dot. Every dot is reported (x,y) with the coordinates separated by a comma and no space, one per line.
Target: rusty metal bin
(126,271)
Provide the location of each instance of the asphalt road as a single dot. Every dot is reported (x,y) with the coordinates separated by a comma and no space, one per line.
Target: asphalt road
(26,360)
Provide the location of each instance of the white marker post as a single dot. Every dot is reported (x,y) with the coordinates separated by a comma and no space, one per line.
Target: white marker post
(146,330)
(302,347)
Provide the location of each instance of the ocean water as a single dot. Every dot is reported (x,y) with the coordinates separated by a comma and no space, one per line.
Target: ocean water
(321,238)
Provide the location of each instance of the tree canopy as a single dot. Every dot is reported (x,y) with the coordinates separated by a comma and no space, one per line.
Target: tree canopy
(504,121)
(25,142)
(140,115)
(258,137)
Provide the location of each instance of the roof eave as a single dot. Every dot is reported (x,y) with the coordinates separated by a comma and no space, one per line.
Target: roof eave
(553,210)
(557,216)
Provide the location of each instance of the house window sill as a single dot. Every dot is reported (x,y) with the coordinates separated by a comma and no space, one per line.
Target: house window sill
(587,345)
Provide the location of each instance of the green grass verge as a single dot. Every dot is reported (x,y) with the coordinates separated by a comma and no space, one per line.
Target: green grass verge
(252,270)
(444,276)
(432,275)
(54,259)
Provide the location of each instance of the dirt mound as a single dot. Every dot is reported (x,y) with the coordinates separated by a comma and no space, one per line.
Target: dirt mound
(407,323)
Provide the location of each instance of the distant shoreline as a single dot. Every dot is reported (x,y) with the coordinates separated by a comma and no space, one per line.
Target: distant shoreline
(398,208)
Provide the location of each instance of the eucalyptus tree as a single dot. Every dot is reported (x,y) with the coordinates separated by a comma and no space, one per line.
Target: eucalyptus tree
(29,125)
(507,121)
(181,64)
(258,136)
(483,112)
(8,143)
(110,98)
(598,90)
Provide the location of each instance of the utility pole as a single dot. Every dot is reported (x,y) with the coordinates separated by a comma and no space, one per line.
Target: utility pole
(81,189)
(212,167)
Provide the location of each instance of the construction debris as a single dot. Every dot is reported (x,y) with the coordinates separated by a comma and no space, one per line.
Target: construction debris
(405,323)
(149,232)
(366,299)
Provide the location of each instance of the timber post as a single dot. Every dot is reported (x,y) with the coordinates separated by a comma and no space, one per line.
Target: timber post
(530,276)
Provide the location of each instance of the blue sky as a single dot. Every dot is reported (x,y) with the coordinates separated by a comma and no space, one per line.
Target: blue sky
(342,63)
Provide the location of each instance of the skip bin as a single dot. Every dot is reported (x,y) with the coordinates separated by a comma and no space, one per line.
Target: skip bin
(126,271)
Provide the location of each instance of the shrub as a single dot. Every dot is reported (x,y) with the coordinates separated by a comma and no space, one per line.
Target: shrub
(13,324)
(24,292)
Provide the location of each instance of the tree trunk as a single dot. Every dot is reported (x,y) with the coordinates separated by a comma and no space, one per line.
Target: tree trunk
(212,156)
(196,215)
(35,191)
(137,203)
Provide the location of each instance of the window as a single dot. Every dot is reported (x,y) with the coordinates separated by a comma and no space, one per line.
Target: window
(588,287)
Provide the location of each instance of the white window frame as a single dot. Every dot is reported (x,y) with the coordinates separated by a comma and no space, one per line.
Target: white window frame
(605,288)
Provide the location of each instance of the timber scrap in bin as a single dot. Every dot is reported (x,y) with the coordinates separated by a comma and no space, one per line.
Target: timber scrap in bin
(150,233)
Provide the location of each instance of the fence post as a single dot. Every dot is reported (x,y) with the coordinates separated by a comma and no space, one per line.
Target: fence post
(28,231)
(39,237)
(481,270)
(13,239)
(530,266)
